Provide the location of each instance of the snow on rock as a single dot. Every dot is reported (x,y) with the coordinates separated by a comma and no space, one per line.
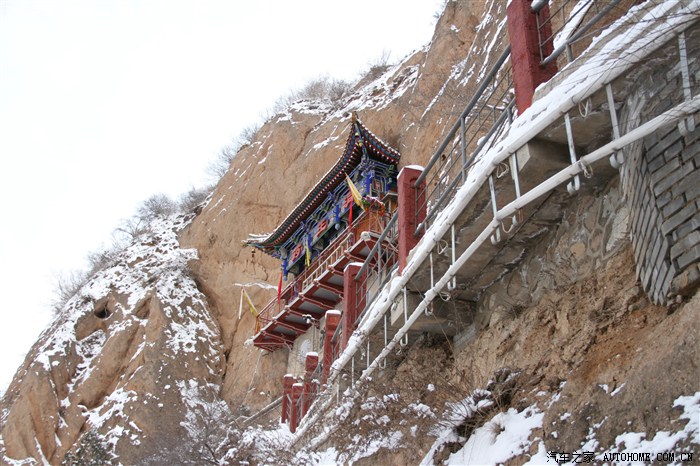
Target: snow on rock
(505,436)
(137,357)
(632,443)
(138,324)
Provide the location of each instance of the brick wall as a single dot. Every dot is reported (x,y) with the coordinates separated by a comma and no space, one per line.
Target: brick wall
(661,181)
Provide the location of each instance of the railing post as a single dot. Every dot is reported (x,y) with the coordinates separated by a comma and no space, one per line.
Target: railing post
(351,305)
(525,56)
(310,365)
(332,321)
(411,209)
(294,416)
(286,396)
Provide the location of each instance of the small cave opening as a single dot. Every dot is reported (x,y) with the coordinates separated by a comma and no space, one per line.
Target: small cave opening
(102,312)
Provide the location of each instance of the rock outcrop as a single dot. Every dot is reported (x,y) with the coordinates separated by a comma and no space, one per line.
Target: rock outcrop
(148,363)
(126,360)
(130,356)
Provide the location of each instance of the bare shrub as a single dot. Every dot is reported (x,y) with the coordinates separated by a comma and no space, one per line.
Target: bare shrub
(437,14)
(101,259)
(219,166)
(158,206)
(315,89)
(338,90)
(130,229)
(215,434)
(280,105)
(377,67)
(92,450)
(322,89)
(248,134)
(67,285)
(192,200)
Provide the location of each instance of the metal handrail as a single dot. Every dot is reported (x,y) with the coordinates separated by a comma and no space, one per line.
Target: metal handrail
(384,256)
(477,95)
(546,42)
(382,238)
(495,99)
(580,31)
(450,188)
(538,124)
(274,404)
(368,276)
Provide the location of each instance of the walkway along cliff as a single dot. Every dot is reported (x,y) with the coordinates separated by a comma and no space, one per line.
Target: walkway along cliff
(481,187)
(486,254)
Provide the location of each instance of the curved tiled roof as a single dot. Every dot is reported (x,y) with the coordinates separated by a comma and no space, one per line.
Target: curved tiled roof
(352,155)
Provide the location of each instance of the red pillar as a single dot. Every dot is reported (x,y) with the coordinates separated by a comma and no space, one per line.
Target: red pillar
(525,50)
(332,321)
(310,364)
(353,300)
(295,414)
(286,396)
(412,209)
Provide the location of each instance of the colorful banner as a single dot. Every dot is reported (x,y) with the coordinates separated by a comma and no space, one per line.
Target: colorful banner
(357,197)
(251,307)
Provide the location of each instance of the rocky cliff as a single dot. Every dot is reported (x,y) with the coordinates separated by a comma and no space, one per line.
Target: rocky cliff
(148,363)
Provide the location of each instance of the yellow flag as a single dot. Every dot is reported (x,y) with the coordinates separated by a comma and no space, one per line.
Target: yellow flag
(251,307)
(355,193)
(308,253)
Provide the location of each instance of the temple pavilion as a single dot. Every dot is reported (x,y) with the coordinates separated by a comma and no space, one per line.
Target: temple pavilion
(330,228)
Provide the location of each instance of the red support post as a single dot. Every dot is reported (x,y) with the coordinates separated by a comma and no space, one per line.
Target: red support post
(412,211)
(295,414)
(332,321)
(310,365)
(352,307)
(525,49)
(286,396)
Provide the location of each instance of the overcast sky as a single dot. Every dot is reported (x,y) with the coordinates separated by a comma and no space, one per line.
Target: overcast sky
(104,103)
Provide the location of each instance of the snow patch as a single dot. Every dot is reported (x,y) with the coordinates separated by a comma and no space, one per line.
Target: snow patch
(505,436)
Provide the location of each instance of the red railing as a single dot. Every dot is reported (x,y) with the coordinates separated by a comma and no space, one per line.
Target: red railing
(371,278)
(370,220)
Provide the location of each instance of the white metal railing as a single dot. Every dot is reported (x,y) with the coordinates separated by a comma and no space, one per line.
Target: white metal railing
(532,123)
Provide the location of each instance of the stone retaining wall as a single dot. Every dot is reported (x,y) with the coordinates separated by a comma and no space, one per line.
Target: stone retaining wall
(592,230)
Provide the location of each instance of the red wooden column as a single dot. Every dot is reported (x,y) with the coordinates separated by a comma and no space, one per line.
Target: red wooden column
(310,365)
(352,302)
(525,50)
(412,210)
(286,396)
(332,322)
(295,414)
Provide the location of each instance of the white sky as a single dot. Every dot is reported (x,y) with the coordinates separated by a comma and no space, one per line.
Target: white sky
(104,103)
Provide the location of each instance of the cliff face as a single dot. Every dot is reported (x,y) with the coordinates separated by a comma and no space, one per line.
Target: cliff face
(293,151)
(125,361)
(135,363)
(148,363)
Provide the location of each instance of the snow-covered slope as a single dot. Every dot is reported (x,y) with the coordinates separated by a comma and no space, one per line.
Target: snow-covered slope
(147,364)
(128,359)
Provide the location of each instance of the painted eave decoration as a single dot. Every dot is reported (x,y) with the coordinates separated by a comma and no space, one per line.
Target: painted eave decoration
(360,142)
